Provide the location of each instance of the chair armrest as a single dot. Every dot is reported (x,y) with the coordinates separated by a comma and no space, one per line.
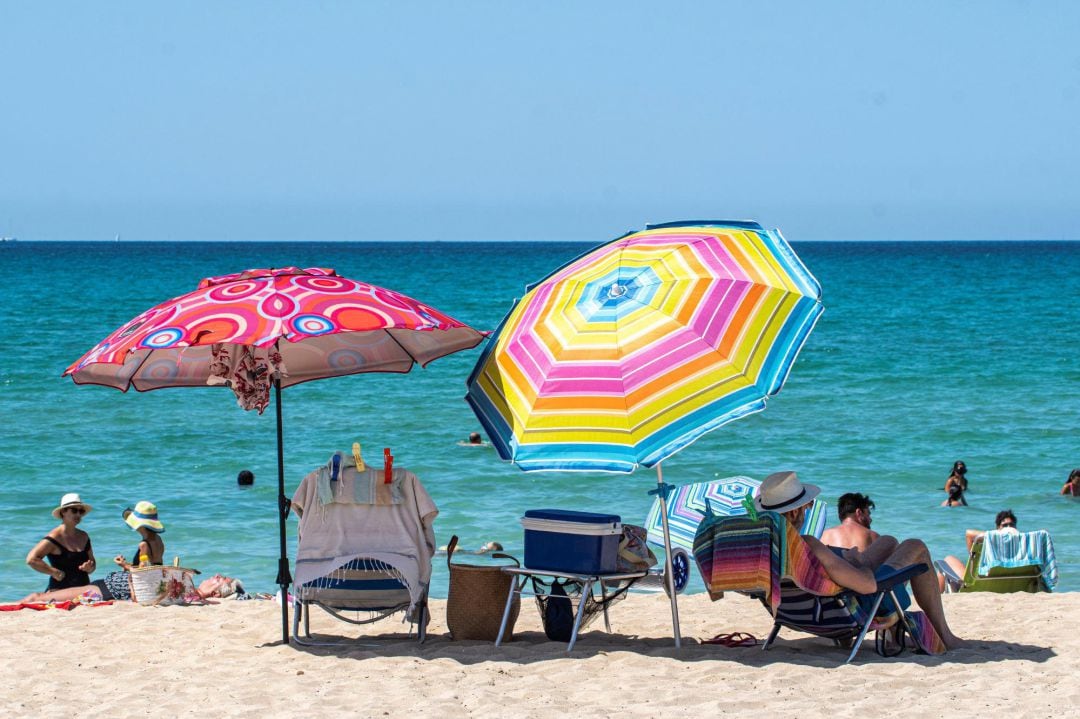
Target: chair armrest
(889,579)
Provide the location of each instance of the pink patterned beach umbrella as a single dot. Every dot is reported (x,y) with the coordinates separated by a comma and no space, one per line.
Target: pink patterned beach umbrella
(268,328)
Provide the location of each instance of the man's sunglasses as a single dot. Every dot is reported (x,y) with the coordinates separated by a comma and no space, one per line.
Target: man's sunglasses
(76,510)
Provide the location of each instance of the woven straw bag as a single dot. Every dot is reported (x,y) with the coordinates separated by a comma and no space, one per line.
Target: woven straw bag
(159,585)
(477,598)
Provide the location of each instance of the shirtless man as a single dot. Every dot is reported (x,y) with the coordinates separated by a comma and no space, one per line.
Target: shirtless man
(854,531)
(782,492)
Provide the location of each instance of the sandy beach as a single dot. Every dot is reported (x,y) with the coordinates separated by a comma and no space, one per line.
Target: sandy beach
(226,660)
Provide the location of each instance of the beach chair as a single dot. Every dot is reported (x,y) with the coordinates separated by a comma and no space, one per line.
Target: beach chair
(767,559)
(1015,562)
(371,590)
(365,546)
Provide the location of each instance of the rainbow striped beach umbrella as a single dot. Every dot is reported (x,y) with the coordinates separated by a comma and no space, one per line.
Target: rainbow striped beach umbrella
(629,353)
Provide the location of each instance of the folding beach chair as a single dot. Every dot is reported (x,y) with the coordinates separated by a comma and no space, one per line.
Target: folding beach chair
(767,559)
(1016,562)
(365,546)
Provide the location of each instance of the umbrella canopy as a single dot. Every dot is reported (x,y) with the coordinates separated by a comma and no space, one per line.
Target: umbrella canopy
(229,332)
(332,325)
(686,507)
(631,352)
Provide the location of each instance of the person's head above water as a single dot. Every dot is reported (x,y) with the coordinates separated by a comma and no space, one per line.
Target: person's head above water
(245,478)
(959,468)
(474,438)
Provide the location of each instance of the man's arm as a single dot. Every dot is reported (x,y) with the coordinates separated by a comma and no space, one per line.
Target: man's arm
(841,571)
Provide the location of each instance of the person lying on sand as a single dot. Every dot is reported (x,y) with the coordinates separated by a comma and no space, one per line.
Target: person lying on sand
(216,587)
(782,492)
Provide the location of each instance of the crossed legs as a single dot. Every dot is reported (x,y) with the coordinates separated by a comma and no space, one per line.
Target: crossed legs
(924,586)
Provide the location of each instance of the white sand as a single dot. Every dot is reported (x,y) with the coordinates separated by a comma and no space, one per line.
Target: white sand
(227,660)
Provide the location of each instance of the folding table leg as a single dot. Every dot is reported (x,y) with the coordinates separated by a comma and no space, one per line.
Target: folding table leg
(586,592)
(515,588)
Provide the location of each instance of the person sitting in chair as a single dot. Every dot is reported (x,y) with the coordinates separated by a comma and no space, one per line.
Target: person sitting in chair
(854,531)
(782,492)
(1004,521)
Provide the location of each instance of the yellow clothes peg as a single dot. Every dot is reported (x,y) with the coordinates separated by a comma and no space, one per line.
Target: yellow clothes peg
(357,458)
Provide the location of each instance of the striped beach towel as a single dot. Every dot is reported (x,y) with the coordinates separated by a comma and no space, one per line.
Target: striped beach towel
(739,553)
(1019,549)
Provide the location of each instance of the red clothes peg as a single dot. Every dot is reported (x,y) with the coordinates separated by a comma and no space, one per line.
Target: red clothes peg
(388,466)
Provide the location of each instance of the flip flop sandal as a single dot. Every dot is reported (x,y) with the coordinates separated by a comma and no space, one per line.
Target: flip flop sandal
(734,639)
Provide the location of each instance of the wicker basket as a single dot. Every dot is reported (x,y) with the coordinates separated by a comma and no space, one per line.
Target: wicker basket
(159,585)
(477,599)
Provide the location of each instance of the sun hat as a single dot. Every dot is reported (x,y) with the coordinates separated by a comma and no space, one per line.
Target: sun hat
(145,515)
(782,492)
(71,499)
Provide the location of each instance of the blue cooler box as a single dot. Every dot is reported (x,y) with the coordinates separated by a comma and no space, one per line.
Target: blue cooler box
(566,541)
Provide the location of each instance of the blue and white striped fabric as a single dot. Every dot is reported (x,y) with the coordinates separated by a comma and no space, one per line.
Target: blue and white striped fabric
(1003,548)
(360,585)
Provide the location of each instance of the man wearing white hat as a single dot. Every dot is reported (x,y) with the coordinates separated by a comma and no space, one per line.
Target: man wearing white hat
(782,492)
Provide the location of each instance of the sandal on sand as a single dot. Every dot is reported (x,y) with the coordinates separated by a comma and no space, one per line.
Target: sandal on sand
(734,639)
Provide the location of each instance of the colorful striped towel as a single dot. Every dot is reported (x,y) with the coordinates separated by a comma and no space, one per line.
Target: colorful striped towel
(739,553)
(1004,548)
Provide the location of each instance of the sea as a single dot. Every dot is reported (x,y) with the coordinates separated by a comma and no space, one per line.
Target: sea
(927,353)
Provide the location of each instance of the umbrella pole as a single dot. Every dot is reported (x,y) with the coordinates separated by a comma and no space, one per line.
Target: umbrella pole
(662,490)
(284,578)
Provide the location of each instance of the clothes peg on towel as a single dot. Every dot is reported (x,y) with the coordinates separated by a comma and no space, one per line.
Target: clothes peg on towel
(388,466)
(357,457)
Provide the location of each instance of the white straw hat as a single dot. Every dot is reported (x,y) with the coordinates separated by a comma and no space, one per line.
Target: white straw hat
(71,499)
(782,492)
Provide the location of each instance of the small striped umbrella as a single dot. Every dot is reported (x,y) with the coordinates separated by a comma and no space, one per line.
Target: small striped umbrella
(629,353)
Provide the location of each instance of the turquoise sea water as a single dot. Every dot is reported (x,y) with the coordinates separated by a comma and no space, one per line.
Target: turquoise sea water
(926,353)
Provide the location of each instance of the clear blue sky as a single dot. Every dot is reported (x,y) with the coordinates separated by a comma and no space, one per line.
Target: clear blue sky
(534,121)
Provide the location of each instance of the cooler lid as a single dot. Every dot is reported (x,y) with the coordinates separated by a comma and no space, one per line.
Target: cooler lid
(569,515)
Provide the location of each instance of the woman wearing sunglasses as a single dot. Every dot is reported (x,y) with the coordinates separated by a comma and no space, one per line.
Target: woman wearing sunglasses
(67,548)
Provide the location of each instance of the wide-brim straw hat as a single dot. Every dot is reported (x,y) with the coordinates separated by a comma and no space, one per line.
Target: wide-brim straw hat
(71,499)
(145,515)
(782,492)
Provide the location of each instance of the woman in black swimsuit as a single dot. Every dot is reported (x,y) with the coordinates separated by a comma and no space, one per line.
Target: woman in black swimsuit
(67,548)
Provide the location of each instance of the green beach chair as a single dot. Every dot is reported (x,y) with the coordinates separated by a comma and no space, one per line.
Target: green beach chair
(1002,580)
(1030,577)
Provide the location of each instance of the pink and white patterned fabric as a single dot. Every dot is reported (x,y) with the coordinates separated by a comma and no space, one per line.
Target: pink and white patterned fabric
(332,325)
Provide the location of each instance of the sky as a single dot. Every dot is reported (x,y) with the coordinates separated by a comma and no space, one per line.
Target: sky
(515,121)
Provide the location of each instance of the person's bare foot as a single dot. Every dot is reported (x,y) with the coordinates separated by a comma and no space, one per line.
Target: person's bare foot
(955,642)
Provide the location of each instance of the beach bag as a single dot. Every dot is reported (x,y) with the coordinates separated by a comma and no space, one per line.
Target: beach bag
(558,615)
(476,599)
(634,553)
(161,586)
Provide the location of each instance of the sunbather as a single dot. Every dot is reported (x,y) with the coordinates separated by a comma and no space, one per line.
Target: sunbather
(71,558)
(854,531)
(144,520)
(216,587)
(782,492)
(1004,521)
